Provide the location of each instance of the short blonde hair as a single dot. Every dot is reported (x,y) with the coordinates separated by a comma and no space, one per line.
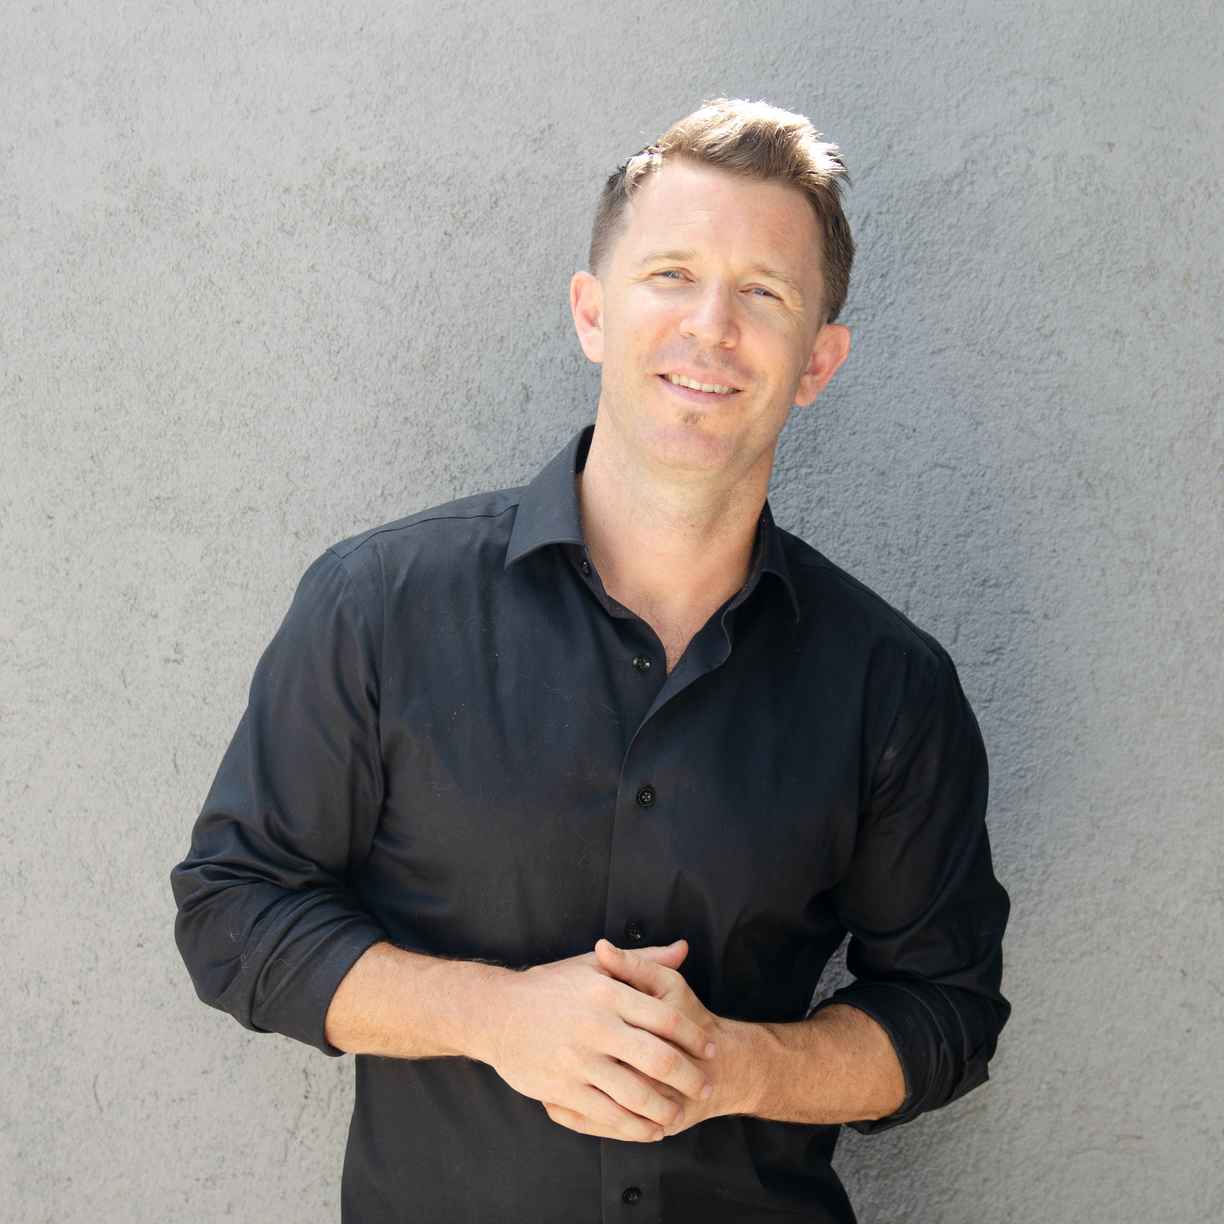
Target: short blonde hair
(755,140)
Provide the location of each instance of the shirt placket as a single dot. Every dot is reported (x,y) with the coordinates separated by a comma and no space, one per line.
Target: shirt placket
(631,1172)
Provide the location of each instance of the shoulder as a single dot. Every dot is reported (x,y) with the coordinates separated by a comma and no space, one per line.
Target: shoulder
(830,594)
(437,534)
(479,514)
(910,689)
(842,611)
(358,570)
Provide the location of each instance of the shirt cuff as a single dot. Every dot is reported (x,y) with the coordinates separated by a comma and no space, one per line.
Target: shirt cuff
(294,994)
(913,1030)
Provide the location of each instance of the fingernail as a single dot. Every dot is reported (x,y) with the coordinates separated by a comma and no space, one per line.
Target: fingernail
(705,1092)
(709,1050)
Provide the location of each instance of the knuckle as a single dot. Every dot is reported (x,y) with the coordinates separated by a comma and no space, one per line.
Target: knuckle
(643,1098)
(664,1061)
(673,1021)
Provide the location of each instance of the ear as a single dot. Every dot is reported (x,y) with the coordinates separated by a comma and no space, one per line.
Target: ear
(586,305)
(831,348)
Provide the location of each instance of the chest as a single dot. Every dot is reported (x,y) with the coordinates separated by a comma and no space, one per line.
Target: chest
(676,630)
(542,786)
(675,638)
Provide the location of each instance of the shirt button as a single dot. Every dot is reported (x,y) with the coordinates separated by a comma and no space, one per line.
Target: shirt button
(634,932)
(585,566)
(646,796)
(641,662)
(631,1194)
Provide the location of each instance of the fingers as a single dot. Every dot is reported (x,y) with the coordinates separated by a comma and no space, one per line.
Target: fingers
(660,1017)
(583,1125)
(671,954)
(630,1091)
(660,1060)
(598,1114)
(640,972)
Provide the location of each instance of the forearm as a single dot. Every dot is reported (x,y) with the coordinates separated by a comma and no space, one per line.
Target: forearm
(401,1004)
(837,1066)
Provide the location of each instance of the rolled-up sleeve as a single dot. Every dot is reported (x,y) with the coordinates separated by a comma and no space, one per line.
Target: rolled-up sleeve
(266,922)
(922,905)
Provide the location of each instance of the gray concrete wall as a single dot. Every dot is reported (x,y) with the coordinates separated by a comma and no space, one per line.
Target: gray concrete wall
(271,273)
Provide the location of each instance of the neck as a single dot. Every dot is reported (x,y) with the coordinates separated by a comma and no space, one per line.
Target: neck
(674,549)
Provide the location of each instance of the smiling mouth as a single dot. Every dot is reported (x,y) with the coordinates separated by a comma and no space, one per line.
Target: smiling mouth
(713,390)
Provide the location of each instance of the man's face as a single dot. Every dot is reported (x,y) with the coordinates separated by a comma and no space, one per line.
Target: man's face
(717,279)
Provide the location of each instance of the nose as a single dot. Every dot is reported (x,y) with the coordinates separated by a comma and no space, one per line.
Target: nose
(710,319)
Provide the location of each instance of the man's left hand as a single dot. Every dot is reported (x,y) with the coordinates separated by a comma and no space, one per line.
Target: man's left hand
(725,1068)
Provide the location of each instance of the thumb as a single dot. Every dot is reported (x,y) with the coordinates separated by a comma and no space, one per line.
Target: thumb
(671,954)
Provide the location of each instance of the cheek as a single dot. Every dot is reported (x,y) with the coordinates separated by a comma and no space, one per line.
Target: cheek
(784,356)
(652,314)
(640,346)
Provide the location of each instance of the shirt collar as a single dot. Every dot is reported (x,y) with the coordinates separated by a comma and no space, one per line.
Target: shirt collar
(548,513)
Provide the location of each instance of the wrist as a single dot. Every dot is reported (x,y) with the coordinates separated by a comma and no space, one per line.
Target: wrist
(741,1057)
(483,1003)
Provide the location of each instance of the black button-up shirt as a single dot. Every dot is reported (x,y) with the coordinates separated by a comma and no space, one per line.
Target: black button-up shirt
(458,741)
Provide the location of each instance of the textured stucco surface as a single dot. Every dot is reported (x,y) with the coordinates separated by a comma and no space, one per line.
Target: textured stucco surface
(272,273)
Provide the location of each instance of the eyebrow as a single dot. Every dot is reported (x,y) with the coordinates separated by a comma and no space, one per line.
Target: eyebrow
(683,256)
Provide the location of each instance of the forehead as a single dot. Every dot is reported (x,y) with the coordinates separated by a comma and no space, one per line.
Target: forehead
(688,205)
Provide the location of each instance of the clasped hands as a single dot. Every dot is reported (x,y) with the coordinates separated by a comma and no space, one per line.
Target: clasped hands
(614,1043)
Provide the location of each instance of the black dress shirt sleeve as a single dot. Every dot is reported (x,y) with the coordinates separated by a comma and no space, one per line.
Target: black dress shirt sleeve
(923,907)
(266,923)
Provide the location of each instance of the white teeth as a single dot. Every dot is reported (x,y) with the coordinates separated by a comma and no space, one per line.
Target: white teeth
(681,381)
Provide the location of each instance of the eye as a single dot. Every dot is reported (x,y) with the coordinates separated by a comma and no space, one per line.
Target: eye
(762,289)
(669,272)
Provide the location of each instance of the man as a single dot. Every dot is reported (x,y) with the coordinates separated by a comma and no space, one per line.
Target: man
(551,803)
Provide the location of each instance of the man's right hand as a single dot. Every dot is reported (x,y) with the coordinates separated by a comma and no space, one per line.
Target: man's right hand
(570,1034)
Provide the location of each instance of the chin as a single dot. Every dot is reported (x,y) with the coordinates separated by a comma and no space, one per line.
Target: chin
(688,445)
